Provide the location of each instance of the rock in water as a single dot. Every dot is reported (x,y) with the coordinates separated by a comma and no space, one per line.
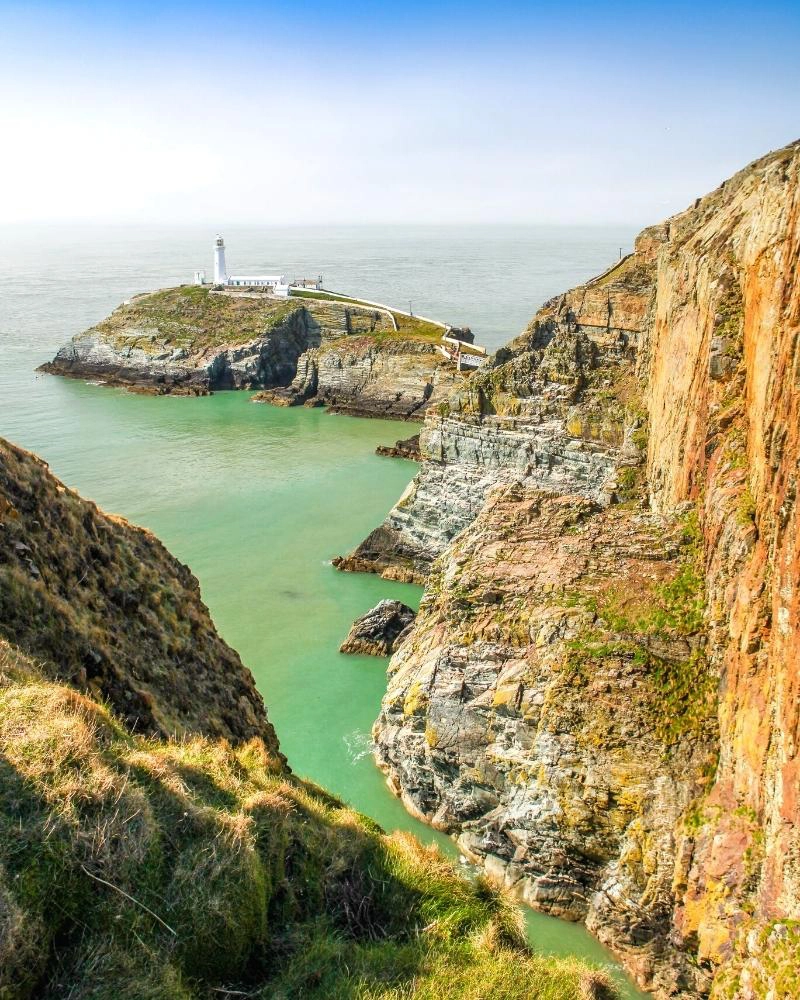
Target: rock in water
(380,631)
(406,448)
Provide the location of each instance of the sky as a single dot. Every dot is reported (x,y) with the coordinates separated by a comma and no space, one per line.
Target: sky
(331,112)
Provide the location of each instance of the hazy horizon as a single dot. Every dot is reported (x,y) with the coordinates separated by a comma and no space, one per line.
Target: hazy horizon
(345,114)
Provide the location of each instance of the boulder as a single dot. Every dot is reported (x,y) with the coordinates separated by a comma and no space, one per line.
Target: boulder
(406,448)
(381,630)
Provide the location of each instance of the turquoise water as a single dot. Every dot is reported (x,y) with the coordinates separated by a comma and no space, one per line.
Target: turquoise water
(257,500)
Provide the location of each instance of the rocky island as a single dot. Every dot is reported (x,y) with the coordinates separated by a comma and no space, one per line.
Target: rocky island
(599,696)
(312,347)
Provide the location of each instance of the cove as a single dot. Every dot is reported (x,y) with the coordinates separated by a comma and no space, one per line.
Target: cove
(258,500)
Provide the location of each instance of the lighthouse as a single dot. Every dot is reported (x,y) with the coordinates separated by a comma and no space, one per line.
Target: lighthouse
(220,271)
(273,284)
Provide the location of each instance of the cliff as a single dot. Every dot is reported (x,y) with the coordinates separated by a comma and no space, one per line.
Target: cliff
(193,340)
(599,696)
(134,865)
(103,605)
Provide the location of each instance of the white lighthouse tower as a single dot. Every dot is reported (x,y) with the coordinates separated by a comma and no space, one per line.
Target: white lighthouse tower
(220,271)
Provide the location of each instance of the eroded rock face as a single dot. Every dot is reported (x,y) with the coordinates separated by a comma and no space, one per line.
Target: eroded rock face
(539,712)
(119,615)
(381,631)
(396,379)
(600,695)
(562,414)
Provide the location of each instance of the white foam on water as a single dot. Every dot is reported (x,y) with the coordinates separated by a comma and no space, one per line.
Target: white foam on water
(359,745)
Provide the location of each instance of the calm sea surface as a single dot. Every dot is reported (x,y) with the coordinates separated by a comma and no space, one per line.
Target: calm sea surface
(257,500)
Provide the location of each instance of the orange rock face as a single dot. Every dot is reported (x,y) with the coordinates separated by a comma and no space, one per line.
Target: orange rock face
(727,436)
(720,363)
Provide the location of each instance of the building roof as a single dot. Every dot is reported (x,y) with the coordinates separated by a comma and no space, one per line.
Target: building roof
(256,277)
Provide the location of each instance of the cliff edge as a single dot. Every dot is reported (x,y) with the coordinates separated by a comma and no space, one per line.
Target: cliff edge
(103,606)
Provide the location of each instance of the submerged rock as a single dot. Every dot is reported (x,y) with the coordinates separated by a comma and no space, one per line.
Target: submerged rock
(381,630)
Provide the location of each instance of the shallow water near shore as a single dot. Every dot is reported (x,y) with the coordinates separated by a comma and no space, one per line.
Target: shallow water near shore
(257,500)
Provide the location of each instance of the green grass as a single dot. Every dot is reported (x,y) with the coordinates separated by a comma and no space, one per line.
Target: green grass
(144,868)
(192,318)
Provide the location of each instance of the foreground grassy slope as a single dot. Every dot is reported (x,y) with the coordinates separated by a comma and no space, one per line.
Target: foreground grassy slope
(142,868)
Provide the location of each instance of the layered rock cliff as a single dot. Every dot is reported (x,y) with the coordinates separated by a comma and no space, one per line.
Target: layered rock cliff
(134,865)
(397,378)
(600,694)
(559,409)
(193,340)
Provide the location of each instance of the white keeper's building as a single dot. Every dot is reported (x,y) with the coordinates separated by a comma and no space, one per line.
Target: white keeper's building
(276,283)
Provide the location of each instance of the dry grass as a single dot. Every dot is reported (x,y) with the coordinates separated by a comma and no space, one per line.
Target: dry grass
(136,867)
